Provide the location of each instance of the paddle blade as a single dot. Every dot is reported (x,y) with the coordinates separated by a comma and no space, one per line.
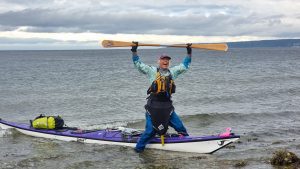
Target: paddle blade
(113,43)
(207,46)
(212,46)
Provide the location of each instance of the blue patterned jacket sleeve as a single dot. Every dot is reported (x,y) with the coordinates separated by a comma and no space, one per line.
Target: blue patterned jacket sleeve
(181,68)
(143,68)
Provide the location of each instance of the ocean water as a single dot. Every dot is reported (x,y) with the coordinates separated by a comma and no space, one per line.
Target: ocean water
(255,91)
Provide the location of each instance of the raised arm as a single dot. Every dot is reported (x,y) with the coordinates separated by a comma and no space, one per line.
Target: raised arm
(184,65)
(143,68)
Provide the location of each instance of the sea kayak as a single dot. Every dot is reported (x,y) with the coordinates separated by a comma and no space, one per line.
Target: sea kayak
(128,137)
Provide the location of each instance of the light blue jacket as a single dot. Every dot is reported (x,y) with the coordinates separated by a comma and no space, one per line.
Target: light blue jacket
(150,71)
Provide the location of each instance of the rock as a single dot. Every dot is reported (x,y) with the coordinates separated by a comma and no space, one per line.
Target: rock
(277,142)
(284,158)
(230,147)
(240,163)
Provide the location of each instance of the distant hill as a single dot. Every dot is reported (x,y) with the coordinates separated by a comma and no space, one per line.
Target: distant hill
(266,43)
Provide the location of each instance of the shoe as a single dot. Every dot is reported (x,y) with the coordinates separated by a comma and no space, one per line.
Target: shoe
(138,150)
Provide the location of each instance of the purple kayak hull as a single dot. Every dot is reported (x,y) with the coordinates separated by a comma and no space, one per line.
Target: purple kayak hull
(113,135)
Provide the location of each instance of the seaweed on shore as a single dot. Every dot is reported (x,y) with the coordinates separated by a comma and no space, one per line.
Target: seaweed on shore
(284,158)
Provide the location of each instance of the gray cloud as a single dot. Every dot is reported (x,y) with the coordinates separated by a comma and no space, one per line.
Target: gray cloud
(20,41)
(50,20)
(177,18)
(36,40)
(44,44)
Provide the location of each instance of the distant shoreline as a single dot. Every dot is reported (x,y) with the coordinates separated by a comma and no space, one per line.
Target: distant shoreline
(266,43)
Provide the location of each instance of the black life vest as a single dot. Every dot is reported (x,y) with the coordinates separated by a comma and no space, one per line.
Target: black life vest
(159,105)
(162,85)
(160,113)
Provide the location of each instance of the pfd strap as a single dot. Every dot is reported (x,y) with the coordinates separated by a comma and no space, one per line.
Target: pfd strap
(162,139)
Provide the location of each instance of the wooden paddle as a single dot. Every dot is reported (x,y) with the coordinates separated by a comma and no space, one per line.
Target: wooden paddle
(208,46)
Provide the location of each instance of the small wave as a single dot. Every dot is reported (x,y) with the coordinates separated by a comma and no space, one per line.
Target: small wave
(209,118)
(241,116)
(262,125)
(4,133)
(113,124)
(268,125)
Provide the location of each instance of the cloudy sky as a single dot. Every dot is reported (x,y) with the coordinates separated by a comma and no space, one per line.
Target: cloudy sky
(81,24)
